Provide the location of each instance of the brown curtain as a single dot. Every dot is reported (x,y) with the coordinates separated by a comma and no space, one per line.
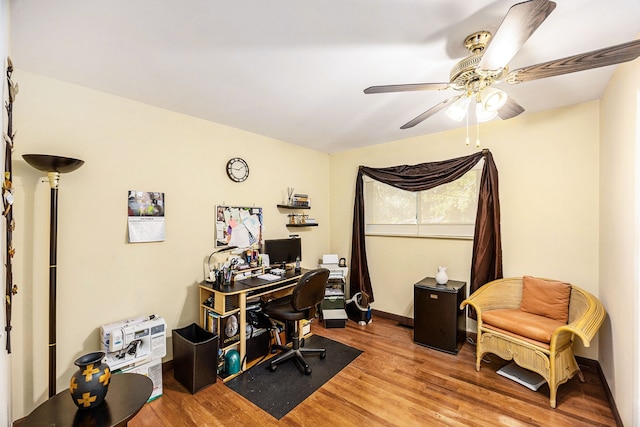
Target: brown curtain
(486,262)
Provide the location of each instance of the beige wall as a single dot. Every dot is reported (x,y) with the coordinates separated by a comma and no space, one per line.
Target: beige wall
(619,237)
(548,173)
(102,278)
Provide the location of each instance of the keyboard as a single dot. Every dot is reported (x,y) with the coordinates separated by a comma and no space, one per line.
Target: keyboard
(270,277)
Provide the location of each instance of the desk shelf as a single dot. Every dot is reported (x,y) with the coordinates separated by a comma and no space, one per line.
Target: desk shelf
(253,270)
(313,224)
(220,303)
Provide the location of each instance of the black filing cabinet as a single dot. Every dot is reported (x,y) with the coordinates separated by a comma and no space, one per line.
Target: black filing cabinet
(438,321)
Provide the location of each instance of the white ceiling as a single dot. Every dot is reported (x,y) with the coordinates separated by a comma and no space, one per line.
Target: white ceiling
(295,70)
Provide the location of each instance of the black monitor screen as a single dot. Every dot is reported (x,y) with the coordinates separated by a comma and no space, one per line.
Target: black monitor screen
(283,251)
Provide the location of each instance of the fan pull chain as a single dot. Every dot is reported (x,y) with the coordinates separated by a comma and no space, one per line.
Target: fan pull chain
(466,141)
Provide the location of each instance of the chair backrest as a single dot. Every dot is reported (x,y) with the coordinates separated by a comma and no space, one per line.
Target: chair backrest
(310,289)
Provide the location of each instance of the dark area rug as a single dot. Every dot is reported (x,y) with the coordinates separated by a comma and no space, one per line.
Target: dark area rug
(279,392)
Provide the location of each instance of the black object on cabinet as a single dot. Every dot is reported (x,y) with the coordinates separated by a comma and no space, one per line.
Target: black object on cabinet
(438,321)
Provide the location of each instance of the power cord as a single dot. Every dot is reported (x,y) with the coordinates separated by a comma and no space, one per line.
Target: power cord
(485,358)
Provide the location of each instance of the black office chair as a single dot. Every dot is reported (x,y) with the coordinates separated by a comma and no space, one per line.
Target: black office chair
(308,293)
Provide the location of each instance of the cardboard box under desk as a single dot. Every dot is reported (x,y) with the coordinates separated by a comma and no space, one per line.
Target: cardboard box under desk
(153,370)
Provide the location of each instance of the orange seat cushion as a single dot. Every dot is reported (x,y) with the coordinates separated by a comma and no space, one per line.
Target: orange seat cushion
(528,325)
(548,298)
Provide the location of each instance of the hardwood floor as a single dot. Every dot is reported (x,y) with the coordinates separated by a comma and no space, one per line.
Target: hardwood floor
(394,383)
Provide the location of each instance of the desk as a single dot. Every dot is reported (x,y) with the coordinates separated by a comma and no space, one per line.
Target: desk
(228,300)
(126,396)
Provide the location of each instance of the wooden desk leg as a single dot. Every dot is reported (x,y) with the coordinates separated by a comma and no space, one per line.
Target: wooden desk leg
(243,330)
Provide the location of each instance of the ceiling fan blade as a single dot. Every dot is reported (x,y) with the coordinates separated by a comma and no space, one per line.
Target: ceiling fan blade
(406,87)
(520,22)
(430,112)
(510,110)
(585,61)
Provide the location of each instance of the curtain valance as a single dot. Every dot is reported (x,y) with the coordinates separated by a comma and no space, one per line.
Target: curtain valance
(486,262)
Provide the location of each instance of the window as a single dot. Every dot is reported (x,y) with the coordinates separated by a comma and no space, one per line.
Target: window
(448,210)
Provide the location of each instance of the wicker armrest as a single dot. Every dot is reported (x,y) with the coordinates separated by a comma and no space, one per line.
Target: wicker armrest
(586,314)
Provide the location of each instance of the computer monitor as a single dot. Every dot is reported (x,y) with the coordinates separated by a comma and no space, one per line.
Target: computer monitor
(283,251)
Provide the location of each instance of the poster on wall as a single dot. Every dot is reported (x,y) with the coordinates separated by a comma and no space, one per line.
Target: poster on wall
(238,226)
(146,216)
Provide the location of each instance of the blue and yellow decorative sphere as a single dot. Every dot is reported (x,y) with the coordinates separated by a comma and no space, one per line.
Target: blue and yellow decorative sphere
(89,385)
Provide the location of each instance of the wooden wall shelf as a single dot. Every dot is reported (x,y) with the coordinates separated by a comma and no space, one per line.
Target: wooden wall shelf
(296,215)
(293,207)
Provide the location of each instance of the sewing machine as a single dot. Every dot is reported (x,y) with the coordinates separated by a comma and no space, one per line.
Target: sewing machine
(133,341)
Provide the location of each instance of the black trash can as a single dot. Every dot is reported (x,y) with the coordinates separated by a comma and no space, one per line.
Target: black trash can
(195,357)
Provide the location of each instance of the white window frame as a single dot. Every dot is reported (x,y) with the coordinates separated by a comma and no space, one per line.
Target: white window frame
(441,231)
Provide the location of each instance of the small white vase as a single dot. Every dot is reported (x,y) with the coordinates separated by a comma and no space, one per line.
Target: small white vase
(441,276)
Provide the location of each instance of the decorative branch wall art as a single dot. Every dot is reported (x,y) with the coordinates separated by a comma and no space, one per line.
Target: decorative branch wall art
(7,198)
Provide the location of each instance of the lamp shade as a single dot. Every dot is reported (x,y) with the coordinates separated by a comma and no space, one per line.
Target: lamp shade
(484,115)
(493,99)
(49,163)
(458,109)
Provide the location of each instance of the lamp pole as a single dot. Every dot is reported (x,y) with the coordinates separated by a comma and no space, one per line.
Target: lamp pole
(54,166)
(54,181)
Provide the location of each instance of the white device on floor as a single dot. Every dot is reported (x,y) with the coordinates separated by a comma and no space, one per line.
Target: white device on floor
(132,341)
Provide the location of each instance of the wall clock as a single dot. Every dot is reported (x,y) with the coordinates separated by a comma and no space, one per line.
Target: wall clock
(237,169)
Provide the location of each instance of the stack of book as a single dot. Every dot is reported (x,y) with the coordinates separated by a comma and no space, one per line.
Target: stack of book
(301,200)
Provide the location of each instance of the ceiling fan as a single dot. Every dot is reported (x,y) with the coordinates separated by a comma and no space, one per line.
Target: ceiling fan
(488,64)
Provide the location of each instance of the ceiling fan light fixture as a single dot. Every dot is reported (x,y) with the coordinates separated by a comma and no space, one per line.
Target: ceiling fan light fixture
(493,99)
(484,115)
(458,109)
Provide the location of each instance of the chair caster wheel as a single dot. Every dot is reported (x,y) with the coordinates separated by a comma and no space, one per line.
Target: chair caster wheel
(307,370)
(273,368)
(323,355)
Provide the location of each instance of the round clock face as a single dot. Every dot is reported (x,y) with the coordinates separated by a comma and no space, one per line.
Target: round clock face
(237,169)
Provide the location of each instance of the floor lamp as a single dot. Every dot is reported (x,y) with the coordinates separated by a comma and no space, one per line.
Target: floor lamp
(54,166)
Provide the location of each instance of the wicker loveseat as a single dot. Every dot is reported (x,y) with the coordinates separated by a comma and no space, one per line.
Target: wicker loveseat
(511,328)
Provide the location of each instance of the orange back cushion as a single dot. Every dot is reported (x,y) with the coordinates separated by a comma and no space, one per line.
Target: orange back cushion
(548,298)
